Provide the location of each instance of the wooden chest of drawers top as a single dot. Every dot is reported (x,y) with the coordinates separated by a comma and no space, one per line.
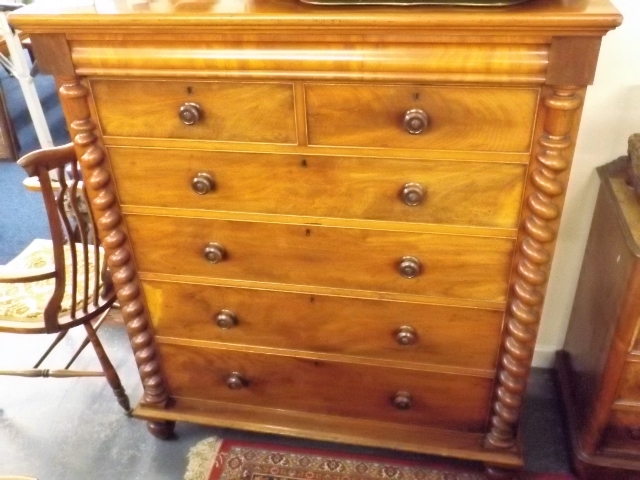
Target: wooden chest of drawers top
(533,43)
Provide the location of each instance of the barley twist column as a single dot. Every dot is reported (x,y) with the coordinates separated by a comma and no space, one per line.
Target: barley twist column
(113,235)
(541,214)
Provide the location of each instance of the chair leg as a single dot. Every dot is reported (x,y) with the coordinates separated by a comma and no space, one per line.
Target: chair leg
(109,371)
(86,340)
(59,337)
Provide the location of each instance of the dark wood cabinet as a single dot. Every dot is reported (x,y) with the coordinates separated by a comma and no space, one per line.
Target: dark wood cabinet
(599,368)
(8,139)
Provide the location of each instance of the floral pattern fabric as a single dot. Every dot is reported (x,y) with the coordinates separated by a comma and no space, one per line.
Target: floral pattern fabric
(25,302)
(250,463)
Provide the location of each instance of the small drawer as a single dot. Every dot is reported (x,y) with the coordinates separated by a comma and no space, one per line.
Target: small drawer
(217,111)
(440,192)
(629,387)
(421,117)
(399,331)
(285,382)
(455,266)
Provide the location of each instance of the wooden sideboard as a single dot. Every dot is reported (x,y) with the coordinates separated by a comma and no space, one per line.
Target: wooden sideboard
(325,222)
(599,366)
(8,139)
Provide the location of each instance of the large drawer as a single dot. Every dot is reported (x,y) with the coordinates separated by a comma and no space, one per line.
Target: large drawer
(457,118)
(454,266)
(454,193)
(622,432)
(231,112)
(329,388)
(397,331)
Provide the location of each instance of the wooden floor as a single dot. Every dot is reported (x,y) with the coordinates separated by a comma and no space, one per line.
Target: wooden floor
(73,429)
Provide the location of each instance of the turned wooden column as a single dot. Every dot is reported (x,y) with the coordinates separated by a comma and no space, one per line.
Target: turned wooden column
(113,234)
(545,194)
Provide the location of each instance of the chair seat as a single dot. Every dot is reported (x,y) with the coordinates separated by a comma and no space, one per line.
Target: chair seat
(23,304)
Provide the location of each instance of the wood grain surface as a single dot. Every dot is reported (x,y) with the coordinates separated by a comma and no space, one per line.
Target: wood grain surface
(238,112)
(452,266)
(469,193)
(302,129)
(308,385)
(460,118)
(448,336)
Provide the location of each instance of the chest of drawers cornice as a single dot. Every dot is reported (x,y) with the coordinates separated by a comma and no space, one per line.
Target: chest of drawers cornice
(333,223)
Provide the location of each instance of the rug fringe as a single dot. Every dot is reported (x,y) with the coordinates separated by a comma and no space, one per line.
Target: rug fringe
(201,458)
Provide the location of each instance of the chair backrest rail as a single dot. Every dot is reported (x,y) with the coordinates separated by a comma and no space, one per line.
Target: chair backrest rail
(81,287)
(52,309)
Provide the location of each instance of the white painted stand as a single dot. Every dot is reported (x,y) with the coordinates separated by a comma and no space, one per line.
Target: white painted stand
(18,64)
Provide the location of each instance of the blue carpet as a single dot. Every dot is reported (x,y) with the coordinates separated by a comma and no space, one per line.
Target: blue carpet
(22,215)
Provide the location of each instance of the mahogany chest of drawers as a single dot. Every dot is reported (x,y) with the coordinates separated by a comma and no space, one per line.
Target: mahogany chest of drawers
(333,223)
(599,368)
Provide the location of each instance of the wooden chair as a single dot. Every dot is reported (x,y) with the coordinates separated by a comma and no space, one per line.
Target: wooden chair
(72,284)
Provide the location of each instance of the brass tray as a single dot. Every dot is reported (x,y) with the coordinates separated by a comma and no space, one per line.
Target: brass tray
(407,3)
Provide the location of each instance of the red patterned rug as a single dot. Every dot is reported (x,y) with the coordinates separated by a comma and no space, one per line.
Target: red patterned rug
(216,459)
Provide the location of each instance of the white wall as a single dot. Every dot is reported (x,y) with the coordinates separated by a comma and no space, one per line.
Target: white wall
(611,114)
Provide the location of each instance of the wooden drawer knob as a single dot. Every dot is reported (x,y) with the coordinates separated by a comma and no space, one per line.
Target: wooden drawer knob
(236,381)
(190,113)
(214,252)
(406,336)
(402,400)
(409,267)
(226,319)
(412,194)
(416,121)
(203,183)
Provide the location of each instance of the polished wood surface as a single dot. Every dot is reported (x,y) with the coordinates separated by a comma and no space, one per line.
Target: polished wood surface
(329,324)
(386,162)
(594,16)
(543,203)
(622,436)
(448,443)
(317,386)
(459,118)
(224,56)
(112,232)
(8,139)
(629,388)
(241,112)
(599,367)
(452,266)
(469,194)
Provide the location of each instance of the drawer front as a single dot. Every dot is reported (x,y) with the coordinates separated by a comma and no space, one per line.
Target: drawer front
(329,388)
(230,112)
(623,432)
(457,118)
(450,265)
(629,387)
(404,332)
(453,193)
